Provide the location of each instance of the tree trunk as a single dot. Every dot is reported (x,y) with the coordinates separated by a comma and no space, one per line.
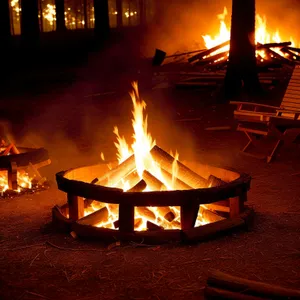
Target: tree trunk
(30,28)
(142,12)
(241,70)
(119,8)
(101,18)
(60,15)
(4,22)
(85,12)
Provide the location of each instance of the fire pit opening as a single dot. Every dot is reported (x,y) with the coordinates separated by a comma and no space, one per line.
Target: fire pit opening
(19,169)
(149,193)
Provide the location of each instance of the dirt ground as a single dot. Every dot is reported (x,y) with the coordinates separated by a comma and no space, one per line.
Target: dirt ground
(39,263)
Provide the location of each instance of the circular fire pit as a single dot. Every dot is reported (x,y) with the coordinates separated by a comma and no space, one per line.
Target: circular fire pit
(22,158)
(222,206)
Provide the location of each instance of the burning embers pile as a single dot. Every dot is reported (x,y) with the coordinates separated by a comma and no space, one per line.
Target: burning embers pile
(145,167)
(269,47)
(14,179)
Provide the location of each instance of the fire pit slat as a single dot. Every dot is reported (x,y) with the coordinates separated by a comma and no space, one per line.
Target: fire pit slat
(76,207)
(236,204)
(126,218)
(12,176)
(188,215)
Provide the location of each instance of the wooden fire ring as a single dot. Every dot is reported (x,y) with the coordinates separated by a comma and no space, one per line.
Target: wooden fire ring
(232,195)
(38,157)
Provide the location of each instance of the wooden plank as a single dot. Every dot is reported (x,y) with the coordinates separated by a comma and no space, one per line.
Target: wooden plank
(290,95)
(12,176)
(126,218)
(294,86)
(188,215)
(293,91)
(236,206)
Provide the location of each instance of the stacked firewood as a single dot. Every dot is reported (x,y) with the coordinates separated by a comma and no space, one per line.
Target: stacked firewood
(126,172)
(224,286)
(271,54)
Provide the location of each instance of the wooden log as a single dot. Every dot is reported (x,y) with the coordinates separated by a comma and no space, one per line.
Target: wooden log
(217,293)
(272,45)
(14,149)
(139,187)
(76,207)
(99,216)
(294,49)
(185,174)
(137,223)
(152,182)
(133,178)
(212,59)
(274,54)
(7,150)
(292,55)
(176,184)
(113,208)
(209,216)
(12,176)
(208,52)
(217,207)
(166,213)
(114,175)
(153,226)
(146,213)
(215,181)
(233,283)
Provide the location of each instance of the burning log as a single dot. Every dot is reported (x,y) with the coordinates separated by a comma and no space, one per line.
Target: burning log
(114,175)
(215,181)
(209,216)
(185,174)
(152,226)
(294,49)
(207,52)
(137,223)
(249,287)
(213,58)
(272,45)
(133,178)
(291,55)
(175,183)
(274,54)
(96,217)
(146,213)
(152,182)
(166,213)
(139,187)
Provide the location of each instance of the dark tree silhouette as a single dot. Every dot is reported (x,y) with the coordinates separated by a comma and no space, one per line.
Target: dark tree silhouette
(241,69)
(85,14)
(30,28)
(4,22)
(119,8)
(60,15)
(142,12)
(101,18)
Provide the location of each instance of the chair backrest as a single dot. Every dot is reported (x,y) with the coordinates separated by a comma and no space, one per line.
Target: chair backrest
(291,99)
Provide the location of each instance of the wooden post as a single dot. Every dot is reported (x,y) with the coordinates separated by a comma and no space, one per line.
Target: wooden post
(188,215)
(126,218)
(12,176)
(60,15)
(76,207)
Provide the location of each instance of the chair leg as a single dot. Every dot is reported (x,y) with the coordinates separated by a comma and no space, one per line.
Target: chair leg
(275,150)
(249,143)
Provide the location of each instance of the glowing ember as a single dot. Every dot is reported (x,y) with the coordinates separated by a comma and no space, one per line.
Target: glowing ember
(262,35)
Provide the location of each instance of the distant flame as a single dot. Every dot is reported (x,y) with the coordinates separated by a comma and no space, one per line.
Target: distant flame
(262,35)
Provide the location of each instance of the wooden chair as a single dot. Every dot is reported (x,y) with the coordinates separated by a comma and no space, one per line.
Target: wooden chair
(282,123)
